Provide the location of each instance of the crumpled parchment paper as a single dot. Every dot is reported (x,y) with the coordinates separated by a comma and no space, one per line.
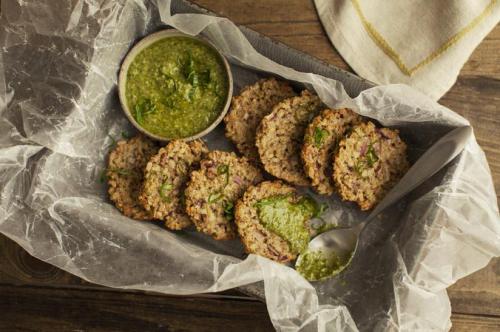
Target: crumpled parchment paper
(59,109)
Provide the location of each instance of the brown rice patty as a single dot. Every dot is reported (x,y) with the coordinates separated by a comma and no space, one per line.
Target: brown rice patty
(213,190)
(256,238)
(280,134)
(370,161)
(248,109)
(125,173)
(321,141)
(165,178)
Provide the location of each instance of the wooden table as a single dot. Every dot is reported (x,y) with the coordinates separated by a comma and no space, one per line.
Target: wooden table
(35,296)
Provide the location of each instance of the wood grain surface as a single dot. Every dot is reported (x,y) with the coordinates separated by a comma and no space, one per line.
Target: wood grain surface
(35,296)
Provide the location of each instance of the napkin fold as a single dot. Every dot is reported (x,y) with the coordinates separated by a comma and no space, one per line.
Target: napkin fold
(422,43)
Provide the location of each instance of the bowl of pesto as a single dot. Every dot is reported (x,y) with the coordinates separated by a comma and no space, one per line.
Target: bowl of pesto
(174,86)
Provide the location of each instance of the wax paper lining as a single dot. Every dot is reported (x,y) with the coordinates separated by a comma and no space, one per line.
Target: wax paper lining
(60,113)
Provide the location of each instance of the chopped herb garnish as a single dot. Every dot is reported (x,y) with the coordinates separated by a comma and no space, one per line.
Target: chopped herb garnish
(188,68)
(205,77)
(359,167)
(215,197)
(320,210)
(144,108)
(164,189)
(138,114)
(102,176)
(223,169)
(371,156)
(112,144)
(121,171)
(229,210)
(113,140)
(126,135)
(195,77)
(190,93)
(319,136)
(367,162)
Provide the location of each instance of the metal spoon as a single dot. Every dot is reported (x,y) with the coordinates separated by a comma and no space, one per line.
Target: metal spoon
(343,242)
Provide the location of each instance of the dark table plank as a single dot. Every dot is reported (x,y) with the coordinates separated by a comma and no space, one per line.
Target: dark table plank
(58,309)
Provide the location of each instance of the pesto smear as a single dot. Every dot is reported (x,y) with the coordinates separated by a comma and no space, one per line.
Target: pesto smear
(288,219)
(176,87)
(314,265)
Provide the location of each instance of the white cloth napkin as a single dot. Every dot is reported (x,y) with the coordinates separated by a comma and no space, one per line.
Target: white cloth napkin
(423,43)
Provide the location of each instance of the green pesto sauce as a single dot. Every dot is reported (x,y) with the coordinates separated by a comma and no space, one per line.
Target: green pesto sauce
(176,87)
(314,265)
(288,219)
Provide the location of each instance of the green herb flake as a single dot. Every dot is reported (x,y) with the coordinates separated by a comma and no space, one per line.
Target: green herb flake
(143,108)
(164,189)
(193,79)
(190,93)
(102,176)
(138,115)
(120,171)
(204,77)
(321,208)
(197,78)
(229,210)
(319,136)
(113,140)
(223,169)
(126,135)
(371,156)
(215,197)
(188,68)
(367,162)
(359,167)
